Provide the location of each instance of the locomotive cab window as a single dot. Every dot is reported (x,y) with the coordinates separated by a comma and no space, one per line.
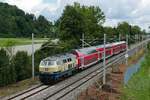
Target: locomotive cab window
(42,63)
(47,63)
(51,63)
(69,59)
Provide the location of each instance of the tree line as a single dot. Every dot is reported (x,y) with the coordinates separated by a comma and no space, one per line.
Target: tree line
(16,23)
(77,20)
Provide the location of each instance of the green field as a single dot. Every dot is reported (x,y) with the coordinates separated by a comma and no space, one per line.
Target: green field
(138,87)
(19,41)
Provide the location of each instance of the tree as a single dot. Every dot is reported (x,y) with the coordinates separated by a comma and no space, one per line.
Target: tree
(71,25)
(123,28)
(22,65)
(77,20)
(16,23)
(112,34)
(136,31)
(7,73)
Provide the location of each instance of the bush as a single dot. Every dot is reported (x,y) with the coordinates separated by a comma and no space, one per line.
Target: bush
(7,72)
(22,65)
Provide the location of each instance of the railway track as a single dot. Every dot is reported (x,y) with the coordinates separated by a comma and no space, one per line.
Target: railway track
(73,86)
(28,92)
(51,94)
(62,89)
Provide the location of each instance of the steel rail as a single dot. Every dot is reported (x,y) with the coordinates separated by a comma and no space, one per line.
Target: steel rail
(98,73)
(27,91)
(110,61)
(35,88)
(108,64)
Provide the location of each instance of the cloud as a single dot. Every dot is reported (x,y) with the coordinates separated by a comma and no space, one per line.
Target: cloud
(132,11)
(26,5)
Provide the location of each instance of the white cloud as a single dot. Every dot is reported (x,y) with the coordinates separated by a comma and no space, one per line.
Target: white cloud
(26,5)
(132,11)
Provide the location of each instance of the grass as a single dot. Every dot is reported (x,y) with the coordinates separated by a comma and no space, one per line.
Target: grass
(17,87)
(19,41)
(133,59)
(138,87)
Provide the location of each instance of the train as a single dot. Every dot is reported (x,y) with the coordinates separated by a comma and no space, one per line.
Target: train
(59,66)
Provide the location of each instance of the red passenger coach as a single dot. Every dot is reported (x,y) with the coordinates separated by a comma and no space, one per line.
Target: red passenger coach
(86,57)
(118,47)
(108,49)
(90,55)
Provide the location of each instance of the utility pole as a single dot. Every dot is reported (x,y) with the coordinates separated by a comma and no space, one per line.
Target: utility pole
(82,40)
(126,56)
(32,55)
(104,61)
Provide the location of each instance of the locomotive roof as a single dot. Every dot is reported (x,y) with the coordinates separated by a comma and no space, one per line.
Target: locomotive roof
(59,56)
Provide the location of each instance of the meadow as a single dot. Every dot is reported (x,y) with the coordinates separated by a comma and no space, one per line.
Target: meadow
(138,87)
(4,42)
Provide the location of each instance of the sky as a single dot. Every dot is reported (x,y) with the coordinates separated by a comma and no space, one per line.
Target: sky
(136,12)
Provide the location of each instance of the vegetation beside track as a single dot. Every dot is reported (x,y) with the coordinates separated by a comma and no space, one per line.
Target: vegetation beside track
(133,59)
(115,79)
(17,87)
(4,42)
(138,87)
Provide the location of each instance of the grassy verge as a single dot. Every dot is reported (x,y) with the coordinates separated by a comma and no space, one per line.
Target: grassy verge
(17,87)
(138,87)
(19,41)
(133,59)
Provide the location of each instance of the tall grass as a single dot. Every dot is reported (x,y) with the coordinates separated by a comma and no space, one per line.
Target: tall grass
(18,41)
(138,87)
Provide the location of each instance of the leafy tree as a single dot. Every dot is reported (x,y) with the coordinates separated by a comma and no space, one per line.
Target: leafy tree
(7,73)
(112,34)
(77,20)
(45,26)
(21,63)
(16,23)
(134,32)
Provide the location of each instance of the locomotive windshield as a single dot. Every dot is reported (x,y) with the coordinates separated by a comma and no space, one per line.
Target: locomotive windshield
(47,63)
